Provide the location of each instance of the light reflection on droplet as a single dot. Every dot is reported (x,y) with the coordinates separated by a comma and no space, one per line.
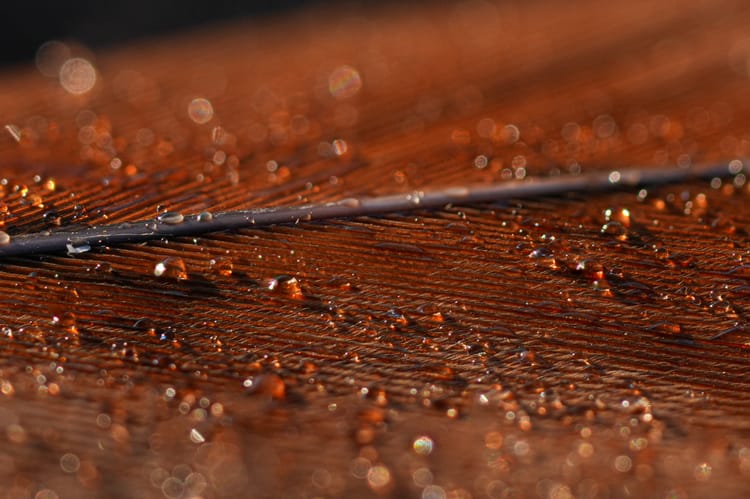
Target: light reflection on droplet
(200,110)
(14,132)
(173,267)
(344,82)
(339,147)
(423,445)
(77,76)
(196,437)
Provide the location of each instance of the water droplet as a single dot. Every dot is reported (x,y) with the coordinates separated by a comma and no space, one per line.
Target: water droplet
(350,202)
(52,217)
(288,285)
(616,229)
(379,479)
(170,218)
(4,238)
(339,147)
(200,110)
(544,257)
(269,385)
(173,267)
(222,265)
(77,76)
(196,437)
(77,247)
(423,445)
(590,268)
(14,132)
(204,216)
(621,215)
(344,82)
(431,311)
(397,317)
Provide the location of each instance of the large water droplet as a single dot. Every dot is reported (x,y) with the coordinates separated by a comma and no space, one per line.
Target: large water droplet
(204,216)
(4,238)
(173,267)
(621,215)
(170,218)
(615,229)
(288,285)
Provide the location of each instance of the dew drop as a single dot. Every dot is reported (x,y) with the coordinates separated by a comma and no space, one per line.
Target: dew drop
(285,284)
(544,257)
(423,445)
(222,265)
(14,132)
(621,215)
(204,216)
(616,229)
(590,268)
(170,218)
(173,267)
(4,238)
(344,82)
(432,311)
(51,217)
(269,385)
(200,110)
(77,76)
(350,202)
(196,437)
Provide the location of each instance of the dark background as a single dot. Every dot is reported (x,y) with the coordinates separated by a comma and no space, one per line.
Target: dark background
(28,24)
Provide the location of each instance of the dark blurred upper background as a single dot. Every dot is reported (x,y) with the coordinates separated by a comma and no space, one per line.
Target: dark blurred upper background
(99,24)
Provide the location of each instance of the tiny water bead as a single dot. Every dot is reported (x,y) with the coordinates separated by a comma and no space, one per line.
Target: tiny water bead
(4,238)
(172,267)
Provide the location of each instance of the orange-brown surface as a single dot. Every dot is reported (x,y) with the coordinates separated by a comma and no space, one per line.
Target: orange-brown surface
(589,345)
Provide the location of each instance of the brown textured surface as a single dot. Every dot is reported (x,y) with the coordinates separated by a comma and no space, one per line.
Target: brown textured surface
(545,351)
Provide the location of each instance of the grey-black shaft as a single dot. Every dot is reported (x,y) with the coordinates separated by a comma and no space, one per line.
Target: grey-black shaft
(82,240)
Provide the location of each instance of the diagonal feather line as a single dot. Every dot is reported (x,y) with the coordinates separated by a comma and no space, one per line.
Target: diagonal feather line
(175,225)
